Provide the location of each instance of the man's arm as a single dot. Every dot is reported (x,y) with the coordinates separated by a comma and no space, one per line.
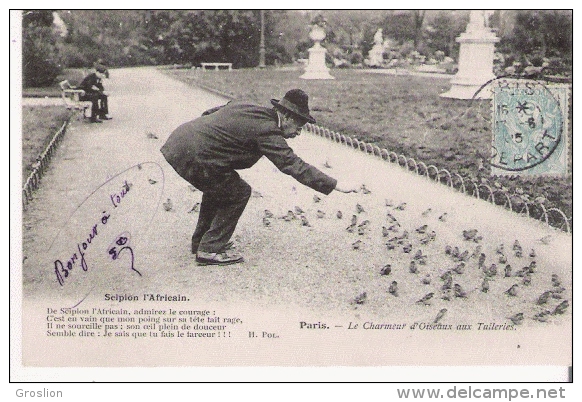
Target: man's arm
(275,148)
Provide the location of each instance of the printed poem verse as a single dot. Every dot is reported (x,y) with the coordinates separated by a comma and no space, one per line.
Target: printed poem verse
(138,323)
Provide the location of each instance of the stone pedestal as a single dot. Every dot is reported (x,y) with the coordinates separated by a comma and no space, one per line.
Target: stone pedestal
(475,62)
(376,56)
(316,68)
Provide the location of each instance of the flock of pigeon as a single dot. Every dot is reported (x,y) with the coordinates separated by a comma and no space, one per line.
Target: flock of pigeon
(517,274)
(411,243)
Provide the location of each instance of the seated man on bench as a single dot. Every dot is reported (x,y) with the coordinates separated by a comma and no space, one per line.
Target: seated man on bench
(94,92)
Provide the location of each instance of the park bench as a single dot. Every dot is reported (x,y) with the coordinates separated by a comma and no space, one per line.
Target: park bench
(71,97)
(216,66)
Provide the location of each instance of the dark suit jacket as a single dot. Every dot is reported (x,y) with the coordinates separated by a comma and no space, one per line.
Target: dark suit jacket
(90,81)
(235,137)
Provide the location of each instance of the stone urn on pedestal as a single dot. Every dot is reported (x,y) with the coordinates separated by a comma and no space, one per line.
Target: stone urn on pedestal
(475,60)
(316,68)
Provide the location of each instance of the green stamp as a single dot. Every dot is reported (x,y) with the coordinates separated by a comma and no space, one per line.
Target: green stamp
(529,128)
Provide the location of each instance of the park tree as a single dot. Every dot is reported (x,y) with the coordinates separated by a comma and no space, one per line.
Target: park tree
(40,63)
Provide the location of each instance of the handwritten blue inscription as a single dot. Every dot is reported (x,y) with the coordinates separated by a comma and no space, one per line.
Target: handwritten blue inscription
(123,242)
(63,270)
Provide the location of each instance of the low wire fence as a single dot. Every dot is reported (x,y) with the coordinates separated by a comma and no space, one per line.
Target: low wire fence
(515,201)
(41,165)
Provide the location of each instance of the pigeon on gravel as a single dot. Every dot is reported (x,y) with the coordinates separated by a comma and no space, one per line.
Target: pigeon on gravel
(386,269)
(519,254)
(316,198)
(320,214)
(339,214)
(266,222)
(268,214)
(393,289)
(517,319)
(485,285)
(440,315)
(469,234)
(195,208)
(256,194)
(561,308)
(427,212)
(192,188)
(508,271)
(426,299)
(298,210)
(443,217)
(556,280)
(401,207)
(542,316)
(365,190)
(168,205)
(152,181)
(532,267)
(422,229)
(407,248)
(289,216)
(502,259)
(448,283)
(426,280)
(459,268)
(390,218)
(500,249)
(544,297)
(448,250)
(356,245)
(512,291)
(477,251)
(412,268)
(546,239)
(388,203)
(492,271)
(482,258)
(304,221)
(361,298)
(151,136)
(459,292)
(359,208)
(385,231)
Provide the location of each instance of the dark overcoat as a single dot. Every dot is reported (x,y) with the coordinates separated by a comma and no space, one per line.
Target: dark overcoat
(234,137)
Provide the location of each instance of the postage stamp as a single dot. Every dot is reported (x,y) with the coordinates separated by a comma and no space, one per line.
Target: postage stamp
(529,128)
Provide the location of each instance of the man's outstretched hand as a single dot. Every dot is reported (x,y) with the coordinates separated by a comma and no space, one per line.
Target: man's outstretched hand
(348,186)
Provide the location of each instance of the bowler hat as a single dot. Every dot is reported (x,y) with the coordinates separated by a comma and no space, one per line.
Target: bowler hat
(296,102)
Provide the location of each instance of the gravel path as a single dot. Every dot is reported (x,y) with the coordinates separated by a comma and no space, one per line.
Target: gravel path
(312,268)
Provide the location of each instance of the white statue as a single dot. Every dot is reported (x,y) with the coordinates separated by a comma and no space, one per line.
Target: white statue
(378,37)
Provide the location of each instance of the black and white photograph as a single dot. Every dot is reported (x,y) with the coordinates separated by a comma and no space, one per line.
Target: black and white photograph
(216,188)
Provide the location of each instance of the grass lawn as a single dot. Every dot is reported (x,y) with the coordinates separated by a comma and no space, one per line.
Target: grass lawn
(403,114)
(74,75)
(39,124)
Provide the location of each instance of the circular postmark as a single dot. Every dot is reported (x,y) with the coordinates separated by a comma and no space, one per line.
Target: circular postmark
(527,124)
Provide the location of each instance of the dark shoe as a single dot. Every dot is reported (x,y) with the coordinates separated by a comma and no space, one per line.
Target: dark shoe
(105,118)
(223,258)
(95,121)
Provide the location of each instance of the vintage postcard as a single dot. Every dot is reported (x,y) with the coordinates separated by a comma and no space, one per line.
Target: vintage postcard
(424,264)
